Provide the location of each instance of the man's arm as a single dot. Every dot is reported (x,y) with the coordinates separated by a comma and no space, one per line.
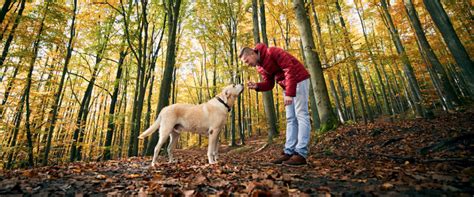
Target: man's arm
(267,83)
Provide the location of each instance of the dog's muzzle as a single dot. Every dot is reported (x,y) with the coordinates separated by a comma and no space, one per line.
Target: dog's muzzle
(242,88)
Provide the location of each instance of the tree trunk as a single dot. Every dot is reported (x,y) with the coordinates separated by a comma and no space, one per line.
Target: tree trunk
(398,88)
(25,99)
(314,109)
(374,94)
(232,129)
(165,88)
(326,115)
(112,118)
(336,101)
(403,87)
(350,49)
(174,92)
(322,48)
(140,83)
(312,99)
(26,95)
(150,142)
(122,127)
(145,57)
(359,96)
(407,68)
(240,102)
(372,58)
(5,9)
(330,24)
(57,95)
(8,90)
(343,97)
(79,132)
(268,102)
(447,94)
(13,139)
(457,80)
(249,114)
(148,114)
(6,47)
(351,94)
(263,22)
(444,25)
(256,31)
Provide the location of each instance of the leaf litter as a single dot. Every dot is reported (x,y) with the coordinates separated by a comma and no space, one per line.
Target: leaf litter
(409,157)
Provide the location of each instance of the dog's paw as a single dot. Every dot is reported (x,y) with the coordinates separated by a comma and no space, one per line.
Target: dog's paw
(153,166)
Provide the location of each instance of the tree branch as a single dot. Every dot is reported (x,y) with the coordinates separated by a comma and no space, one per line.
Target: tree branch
(85,79)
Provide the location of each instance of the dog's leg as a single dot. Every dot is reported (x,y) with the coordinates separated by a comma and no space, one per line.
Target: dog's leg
(213,134)
(216,147)
(164,133)
(172,145)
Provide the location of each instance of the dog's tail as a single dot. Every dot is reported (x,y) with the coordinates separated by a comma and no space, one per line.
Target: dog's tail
(154,127)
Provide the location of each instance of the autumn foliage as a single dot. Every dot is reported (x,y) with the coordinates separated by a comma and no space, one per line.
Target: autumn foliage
(80,80)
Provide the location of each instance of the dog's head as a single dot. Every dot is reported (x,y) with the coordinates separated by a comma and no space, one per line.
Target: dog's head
(230,93)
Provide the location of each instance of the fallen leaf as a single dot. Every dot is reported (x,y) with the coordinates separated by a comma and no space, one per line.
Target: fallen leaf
(443,177)
(188,193)
(132,176)
(200,179)
(450,188)
(387,186)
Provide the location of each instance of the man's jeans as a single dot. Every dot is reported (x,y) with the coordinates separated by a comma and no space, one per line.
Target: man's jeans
(298,125)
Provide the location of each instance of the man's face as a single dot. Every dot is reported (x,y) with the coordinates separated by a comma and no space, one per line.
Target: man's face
(250,59)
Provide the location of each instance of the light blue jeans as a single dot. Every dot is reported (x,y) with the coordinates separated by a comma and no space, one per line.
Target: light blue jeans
(298,125)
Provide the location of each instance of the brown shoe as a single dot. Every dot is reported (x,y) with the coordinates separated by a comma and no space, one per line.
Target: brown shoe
(283,158)
(295,160)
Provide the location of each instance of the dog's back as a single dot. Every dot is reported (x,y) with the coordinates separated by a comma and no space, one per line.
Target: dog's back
(173,114)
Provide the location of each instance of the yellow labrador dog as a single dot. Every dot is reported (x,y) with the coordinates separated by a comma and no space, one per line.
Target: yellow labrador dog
(207,119)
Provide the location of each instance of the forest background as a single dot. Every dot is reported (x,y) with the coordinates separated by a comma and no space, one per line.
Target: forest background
(81,79)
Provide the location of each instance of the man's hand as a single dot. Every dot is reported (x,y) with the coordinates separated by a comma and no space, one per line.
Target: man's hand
(252,85)
(288,100)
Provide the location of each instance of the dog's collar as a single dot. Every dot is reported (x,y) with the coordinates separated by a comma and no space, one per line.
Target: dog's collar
(225,104)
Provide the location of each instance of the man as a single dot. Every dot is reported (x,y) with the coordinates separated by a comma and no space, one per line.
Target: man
(275,64)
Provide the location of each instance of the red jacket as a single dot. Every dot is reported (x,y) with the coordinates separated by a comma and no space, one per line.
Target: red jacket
(277,64)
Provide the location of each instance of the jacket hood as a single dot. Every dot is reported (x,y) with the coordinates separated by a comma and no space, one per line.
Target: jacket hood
(262,49)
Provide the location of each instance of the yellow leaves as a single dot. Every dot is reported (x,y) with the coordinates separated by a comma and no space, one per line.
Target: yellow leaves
(76,171)
(111,180)
(387,186)
(132,176)
(104,2)
(29,173)
(200,179)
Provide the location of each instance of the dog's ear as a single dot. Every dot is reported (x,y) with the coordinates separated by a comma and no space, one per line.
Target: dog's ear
(226,95)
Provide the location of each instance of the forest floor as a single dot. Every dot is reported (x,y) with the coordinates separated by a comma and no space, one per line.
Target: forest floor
(429,157)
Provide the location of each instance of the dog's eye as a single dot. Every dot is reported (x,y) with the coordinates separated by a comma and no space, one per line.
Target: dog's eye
(233,85)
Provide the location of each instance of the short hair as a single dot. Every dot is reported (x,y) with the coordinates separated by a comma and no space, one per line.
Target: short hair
(246,51)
